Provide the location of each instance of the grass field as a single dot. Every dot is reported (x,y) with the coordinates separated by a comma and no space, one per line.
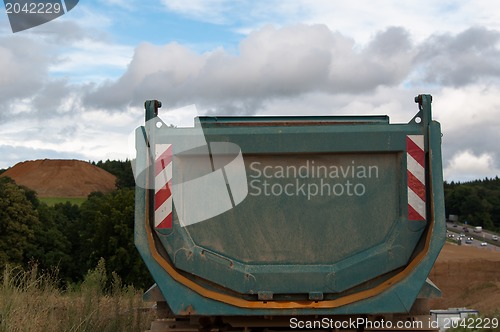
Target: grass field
(51,201)
(32,301)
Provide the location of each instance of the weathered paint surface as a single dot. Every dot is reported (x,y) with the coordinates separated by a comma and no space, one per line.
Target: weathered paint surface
(342,217)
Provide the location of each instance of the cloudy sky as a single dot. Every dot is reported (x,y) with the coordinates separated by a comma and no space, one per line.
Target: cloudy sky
(75,87)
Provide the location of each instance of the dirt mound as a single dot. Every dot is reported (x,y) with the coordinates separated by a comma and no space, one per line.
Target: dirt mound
(468,277)
(61,178)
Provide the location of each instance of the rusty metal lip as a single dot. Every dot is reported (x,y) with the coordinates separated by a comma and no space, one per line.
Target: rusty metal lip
(242,303)
(290,121)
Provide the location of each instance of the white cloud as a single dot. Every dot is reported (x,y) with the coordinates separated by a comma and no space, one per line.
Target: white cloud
(298,60)
(22,73)
(271,63)
(359,19)
(466,166)
(90,19)
(473,106)
(470,120)
(81,61)
(397,103)
(90,134)
(78,91)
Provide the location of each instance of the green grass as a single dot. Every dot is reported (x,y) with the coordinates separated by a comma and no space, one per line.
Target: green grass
(51,201)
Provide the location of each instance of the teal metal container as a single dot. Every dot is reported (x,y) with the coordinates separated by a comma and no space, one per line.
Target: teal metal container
(290,215)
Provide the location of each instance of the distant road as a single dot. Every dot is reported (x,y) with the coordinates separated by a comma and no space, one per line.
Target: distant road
(484,236)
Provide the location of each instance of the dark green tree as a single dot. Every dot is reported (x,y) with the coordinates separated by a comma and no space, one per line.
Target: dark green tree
(121,169)
(51,247)
(477,202)
(107,230)
(18,218)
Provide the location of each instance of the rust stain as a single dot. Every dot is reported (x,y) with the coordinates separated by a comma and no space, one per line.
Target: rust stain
(189,310)
(286,123)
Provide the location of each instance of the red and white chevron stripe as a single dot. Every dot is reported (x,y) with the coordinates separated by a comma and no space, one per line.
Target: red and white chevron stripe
(163,185)
(415,159)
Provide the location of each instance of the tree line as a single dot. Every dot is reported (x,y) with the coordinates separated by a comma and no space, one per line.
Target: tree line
(475,202)
(74,238)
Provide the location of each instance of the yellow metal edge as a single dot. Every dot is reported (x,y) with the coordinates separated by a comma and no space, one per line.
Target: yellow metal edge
(242,303)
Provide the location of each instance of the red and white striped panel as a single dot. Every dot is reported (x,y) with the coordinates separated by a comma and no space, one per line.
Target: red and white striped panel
(163,185)
(415,159)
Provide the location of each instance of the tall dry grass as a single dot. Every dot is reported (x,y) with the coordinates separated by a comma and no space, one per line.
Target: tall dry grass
(32,301)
